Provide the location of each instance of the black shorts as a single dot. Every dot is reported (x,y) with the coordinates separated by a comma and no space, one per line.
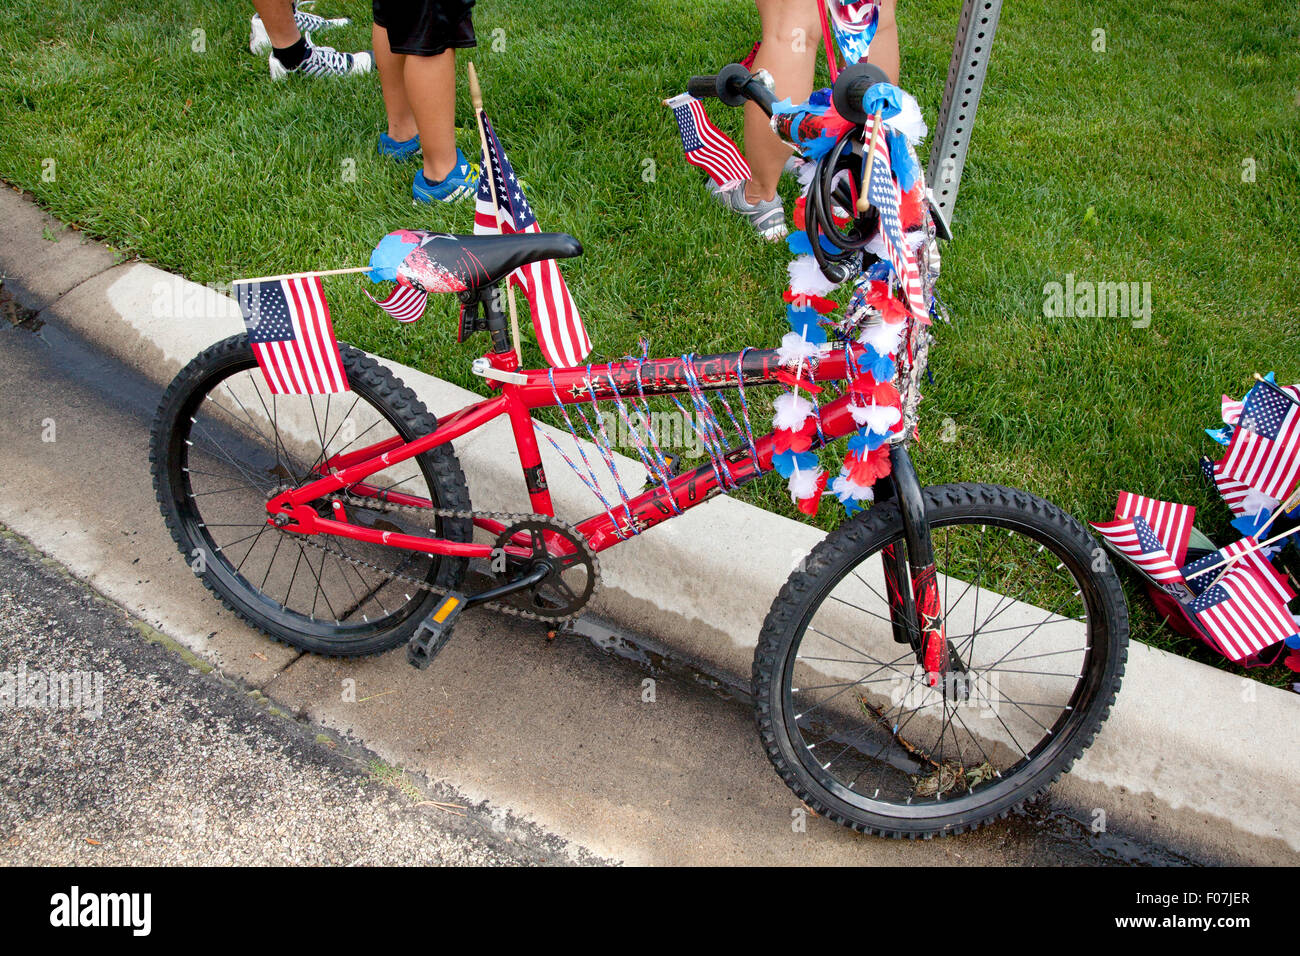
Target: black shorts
(425,27)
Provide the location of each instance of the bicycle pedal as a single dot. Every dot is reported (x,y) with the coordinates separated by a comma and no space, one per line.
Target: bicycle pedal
(674,463)
(434,631)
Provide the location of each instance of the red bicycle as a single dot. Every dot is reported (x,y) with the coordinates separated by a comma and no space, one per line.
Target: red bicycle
(936,661)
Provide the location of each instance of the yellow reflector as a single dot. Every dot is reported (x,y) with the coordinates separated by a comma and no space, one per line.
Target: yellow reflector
(448,605)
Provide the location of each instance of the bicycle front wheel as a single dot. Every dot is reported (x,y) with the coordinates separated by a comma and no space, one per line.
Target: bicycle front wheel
(1039,626)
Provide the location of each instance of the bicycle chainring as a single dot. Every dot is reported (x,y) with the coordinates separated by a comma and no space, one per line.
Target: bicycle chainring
(574,570)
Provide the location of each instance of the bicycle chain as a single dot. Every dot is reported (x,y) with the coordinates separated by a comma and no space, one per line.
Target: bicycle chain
(506,518)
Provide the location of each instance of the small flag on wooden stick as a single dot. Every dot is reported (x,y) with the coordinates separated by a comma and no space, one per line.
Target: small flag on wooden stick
(502,207)
(705,145)
(1264,453)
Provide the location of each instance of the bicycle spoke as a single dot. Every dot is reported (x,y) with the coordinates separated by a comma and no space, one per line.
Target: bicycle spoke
(238,432)
(909,625)
(878,617)
(847,647)
(292,578)
(256,538)
(320,462)
(320,587)
(918,747)
(278,541)
(252,482)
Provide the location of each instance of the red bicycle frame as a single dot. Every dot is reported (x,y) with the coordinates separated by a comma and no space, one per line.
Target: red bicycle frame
(292,509)
(916,611)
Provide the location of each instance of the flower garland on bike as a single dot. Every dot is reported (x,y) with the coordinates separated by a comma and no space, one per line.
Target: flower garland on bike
(887,312)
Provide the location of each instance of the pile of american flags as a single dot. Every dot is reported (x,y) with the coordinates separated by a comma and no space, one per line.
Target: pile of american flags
(1234,598)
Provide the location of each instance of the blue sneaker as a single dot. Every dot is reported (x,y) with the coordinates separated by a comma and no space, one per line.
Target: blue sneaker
(399,151)
(461,183)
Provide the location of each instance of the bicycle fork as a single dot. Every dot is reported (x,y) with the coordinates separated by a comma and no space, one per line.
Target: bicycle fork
(916,613)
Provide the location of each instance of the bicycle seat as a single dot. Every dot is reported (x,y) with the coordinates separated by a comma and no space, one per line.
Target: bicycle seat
(476,262)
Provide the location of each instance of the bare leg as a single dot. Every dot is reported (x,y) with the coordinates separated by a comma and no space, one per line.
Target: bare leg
(392,81)
(791,36)
(277,17)
(884,45)
(431,92)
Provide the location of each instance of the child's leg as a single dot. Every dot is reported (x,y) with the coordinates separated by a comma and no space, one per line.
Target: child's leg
(884,45)
(392,81)
(431,92)
(791,37)
(277,16)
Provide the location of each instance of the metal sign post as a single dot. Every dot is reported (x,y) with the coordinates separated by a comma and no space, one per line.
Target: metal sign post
(961,97)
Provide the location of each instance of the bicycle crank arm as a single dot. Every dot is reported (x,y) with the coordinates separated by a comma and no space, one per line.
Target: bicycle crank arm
(536,575)
(435,630)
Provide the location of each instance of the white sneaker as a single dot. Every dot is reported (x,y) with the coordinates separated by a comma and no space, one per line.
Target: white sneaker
(325,61)
(260,42)
(767,218)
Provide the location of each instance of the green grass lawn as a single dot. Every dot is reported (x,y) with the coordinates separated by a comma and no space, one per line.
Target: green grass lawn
(1124,166)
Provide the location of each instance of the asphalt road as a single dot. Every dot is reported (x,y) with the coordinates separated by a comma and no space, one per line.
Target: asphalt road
(155,762)
(551,745)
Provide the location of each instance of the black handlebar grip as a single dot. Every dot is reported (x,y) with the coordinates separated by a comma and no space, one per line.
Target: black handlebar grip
(702,87)
(851,86)
(731,84)
(728,85)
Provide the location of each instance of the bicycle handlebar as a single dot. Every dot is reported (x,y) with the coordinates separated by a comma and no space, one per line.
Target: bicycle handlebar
(734,84)
(851,87)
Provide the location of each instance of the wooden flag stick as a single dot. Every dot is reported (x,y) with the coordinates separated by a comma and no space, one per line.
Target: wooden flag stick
(863,202)
(1291,501)
(476,100)
(514,320)
(1258,546)
(303,275)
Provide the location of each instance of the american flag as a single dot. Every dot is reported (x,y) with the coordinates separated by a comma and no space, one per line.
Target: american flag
(1134,538)
(1232,491)
(405,303)
(883,193)
(1172,523)
(1242,614)
(705,145)
(289,328)
(1265,449)
(560,332)
(1230,409)
(1201,573)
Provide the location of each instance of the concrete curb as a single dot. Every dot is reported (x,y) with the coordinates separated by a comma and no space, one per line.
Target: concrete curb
(1176,758)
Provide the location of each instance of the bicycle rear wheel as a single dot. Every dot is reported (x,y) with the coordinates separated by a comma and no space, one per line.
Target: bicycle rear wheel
(1040,628)
(222,445)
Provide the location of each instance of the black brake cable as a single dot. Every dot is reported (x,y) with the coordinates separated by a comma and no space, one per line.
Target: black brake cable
(818,212)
